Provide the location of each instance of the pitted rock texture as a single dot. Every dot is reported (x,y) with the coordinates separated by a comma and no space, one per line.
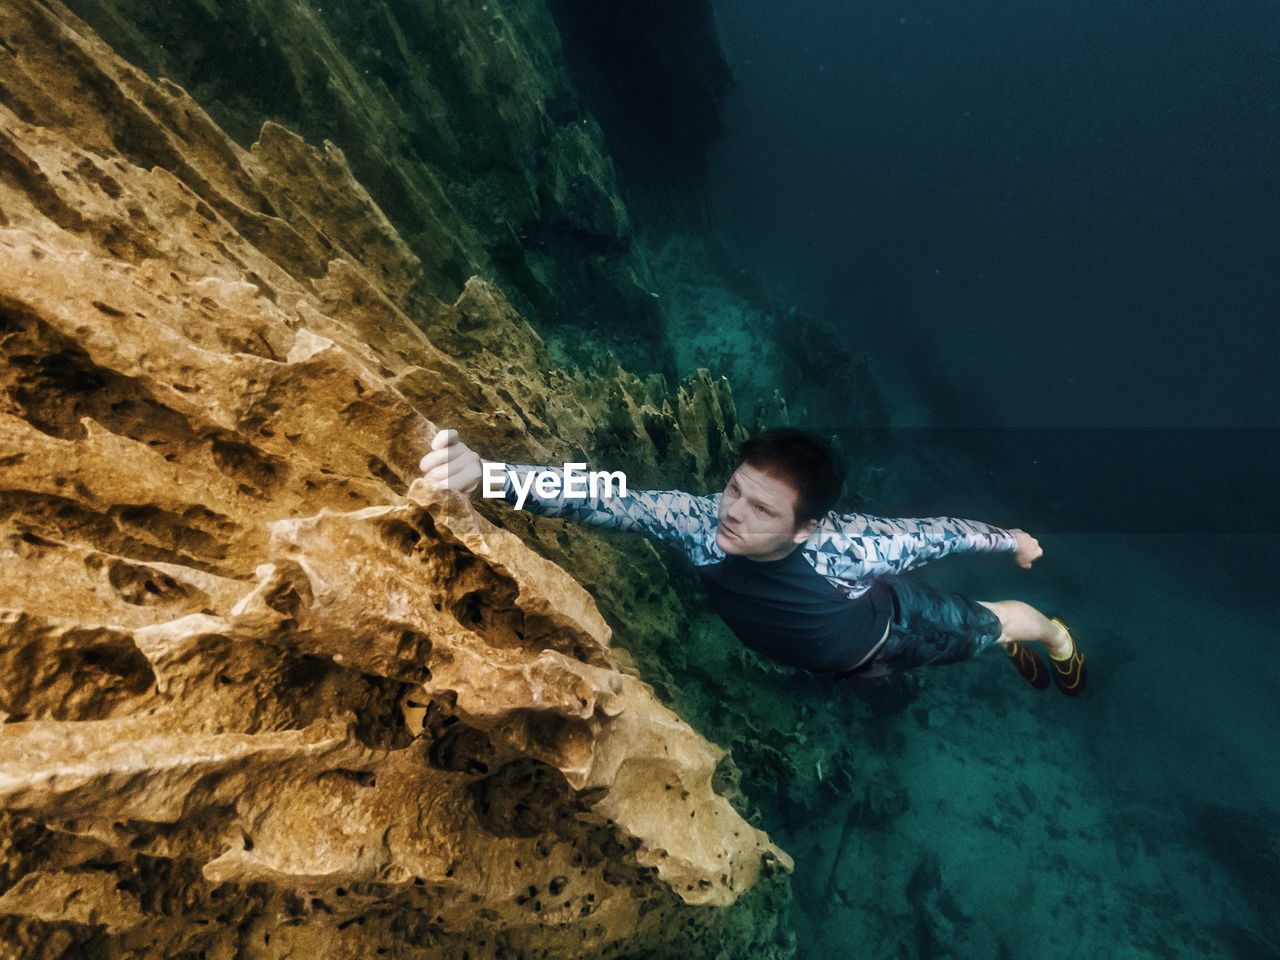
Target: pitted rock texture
(262,693)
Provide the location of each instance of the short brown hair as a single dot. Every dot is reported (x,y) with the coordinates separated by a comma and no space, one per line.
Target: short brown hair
(803,460)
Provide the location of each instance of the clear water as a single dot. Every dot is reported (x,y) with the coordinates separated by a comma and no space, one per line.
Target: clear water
(1055,227)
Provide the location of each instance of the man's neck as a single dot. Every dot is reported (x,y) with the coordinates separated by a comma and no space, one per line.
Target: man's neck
(777,555)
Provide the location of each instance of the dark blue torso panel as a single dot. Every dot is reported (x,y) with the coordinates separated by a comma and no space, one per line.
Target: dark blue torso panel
(786,611)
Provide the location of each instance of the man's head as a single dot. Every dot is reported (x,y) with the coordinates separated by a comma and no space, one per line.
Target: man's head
(785,482)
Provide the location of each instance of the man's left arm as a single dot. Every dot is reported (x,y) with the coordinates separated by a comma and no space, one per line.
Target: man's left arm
(858,547)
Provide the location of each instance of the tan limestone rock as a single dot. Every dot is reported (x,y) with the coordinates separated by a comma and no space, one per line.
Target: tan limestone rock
(262,693)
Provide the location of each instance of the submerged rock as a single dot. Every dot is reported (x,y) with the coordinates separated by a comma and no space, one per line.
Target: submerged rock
(262,692)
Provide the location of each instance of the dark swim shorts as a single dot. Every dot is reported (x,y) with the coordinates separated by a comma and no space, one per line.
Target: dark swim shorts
(930,627)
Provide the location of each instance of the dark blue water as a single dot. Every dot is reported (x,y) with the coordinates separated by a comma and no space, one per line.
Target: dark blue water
(1055,227)
(1069,210)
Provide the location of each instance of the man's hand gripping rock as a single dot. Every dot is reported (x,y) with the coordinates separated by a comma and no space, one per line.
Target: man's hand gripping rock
(451,464)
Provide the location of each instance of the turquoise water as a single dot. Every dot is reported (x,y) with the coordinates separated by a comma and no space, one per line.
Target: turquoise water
(1054,227)
(958,813)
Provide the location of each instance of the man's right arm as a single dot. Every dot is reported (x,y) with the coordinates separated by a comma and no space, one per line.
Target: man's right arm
(681,519)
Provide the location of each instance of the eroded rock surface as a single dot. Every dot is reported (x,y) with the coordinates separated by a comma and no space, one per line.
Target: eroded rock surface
(262,694)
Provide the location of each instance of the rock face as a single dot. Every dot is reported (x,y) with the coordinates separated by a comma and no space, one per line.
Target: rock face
(262,692)
(461,121)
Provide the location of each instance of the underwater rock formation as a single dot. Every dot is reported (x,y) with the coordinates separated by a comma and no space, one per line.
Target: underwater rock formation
(262,692)
(462,122)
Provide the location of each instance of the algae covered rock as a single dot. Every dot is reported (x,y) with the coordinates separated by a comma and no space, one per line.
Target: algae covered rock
(460,120)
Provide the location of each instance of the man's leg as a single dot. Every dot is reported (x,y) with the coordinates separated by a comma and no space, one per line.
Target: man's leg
(1023,623)
(929,627)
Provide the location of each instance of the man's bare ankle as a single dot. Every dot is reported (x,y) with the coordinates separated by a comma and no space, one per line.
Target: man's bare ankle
(1059,645)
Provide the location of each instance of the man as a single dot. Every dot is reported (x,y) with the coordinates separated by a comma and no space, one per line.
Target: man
(801,584)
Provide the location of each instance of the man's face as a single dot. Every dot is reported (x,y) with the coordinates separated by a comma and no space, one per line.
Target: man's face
(757,516)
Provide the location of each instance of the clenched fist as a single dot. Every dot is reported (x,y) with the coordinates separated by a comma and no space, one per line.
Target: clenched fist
(1028,549)
(451,464)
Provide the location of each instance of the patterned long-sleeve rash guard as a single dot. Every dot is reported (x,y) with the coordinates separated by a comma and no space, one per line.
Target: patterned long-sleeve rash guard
(822,607)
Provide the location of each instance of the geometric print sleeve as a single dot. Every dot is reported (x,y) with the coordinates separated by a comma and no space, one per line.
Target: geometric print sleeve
(681,519)
(855,548)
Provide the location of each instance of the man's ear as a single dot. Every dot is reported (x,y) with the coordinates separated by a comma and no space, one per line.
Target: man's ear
(805,531)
